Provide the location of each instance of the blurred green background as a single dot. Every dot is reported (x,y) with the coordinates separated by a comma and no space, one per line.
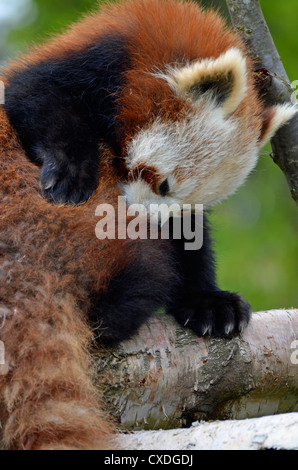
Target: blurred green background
(256,229)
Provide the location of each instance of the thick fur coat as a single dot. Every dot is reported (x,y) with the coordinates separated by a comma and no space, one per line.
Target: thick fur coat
(151,99)
(54,272)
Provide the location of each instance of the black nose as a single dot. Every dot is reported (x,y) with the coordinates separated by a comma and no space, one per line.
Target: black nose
(164,188)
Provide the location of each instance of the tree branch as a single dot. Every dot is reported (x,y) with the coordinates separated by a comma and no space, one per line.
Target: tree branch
(248,20)
(270,432)
(167,376)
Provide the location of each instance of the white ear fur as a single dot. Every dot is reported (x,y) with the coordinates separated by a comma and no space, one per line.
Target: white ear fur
(224,76)
(280,115)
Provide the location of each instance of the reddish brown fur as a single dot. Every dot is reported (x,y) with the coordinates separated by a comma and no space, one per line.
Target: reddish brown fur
(189,34)
(46,380)
(268,115)
(148,174)
(50,260)
(192,34)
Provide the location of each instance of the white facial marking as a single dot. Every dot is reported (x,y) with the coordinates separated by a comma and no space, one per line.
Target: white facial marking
(205,157)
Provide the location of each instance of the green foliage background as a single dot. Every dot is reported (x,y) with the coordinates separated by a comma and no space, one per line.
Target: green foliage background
(256,229)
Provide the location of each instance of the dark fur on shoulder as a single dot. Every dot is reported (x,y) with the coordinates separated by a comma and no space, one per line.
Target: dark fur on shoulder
(62,109)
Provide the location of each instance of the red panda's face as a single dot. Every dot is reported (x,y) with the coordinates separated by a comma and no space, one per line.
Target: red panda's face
(198,160)
(205,156)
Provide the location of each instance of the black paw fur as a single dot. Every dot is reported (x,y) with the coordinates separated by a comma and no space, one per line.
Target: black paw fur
(218,313)
(63,182)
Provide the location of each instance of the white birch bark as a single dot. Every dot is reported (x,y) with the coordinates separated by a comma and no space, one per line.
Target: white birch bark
(166,376)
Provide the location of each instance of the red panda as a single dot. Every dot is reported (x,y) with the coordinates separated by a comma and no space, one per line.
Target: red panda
(166,84)
(154,100)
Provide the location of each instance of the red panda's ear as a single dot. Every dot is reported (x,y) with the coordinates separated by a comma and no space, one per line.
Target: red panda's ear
(275,117)
(223,78)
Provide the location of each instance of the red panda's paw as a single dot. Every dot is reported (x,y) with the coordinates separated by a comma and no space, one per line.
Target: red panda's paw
(64,182)
(219,313)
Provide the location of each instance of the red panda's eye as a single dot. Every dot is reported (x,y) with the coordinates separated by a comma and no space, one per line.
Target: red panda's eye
(164,188)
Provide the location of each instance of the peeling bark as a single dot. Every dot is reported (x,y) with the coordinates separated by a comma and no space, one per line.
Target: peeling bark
(248,20)
(166,376)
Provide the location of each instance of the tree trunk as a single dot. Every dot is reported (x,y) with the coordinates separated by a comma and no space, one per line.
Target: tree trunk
(248,20)
(166,376)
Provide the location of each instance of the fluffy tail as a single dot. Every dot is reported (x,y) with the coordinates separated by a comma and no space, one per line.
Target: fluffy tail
(48,396)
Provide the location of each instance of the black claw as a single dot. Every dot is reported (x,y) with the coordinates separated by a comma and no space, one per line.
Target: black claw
(220,313)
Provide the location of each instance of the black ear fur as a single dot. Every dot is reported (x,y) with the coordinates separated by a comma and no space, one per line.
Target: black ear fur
(61,110)
(223,78)
(219,86)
